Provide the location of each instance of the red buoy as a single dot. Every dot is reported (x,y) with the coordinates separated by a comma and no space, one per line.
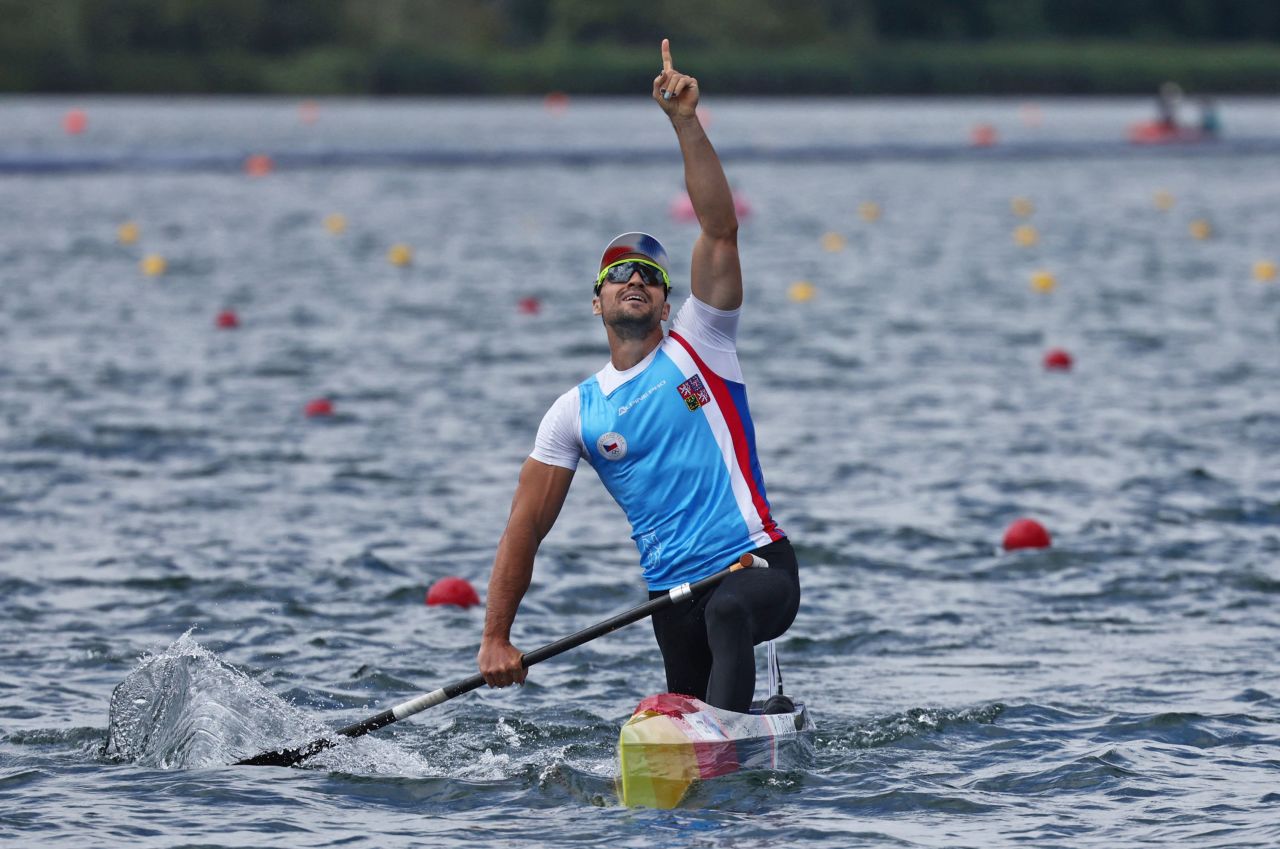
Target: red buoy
(1056,359)
(75,122)
(258,165)
(556,102)
(455,591)
(983,135)
(681,208)
(1026,533)
(227,320)
(529,305)
(318,407)
(308,111)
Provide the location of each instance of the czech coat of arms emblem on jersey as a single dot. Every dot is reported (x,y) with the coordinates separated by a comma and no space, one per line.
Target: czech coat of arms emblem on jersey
(695,395)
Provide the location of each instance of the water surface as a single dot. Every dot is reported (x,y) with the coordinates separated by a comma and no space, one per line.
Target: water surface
(157,474)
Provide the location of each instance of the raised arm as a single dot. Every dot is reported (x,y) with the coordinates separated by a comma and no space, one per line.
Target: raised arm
(539,496)
(715,276)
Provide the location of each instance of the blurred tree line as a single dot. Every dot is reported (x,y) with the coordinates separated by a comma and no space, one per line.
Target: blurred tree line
(532,46)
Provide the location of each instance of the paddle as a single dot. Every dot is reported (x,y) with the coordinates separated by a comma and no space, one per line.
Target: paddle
(293,757)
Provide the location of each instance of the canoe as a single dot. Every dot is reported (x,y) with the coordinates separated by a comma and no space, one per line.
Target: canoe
(673,741)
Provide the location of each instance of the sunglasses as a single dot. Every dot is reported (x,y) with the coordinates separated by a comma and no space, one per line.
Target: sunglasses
(620,272)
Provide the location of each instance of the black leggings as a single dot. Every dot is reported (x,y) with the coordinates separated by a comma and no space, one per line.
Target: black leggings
(708,642)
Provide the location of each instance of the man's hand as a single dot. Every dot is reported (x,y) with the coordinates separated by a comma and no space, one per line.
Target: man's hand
(675,92)
(500,663)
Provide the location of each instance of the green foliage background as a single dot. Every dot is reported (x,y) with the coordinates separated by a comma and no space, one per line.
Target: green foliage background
(598,47)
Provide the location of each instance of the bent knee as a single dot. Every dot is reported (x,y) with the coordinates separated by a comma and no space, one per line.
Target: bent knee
(728,610)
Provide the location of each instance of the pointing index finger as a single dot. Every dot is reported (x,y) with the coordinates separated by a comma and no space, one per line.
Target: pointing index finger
(666,54)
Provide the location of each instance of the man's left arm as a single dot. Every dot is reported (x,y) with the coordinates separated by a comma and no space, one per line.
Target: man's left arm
(715,275)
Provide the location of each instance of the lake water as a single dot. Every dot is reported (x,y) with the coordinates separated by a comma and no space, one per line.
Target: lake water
(157,475)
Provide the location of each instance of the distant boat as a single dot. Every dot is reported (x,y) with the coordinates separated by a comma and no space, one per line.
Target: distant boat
(1154,132)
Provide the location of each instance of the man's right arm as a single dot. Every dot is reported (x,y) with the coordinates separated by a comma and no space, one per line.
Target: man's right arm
(539,496)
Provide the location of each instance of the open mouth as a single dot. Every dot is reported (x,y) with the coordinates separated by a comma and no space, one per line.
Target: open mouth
(633,296)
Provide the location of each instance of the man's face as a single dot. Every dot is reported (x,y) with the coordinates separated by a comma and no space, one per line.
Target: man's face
(632,307)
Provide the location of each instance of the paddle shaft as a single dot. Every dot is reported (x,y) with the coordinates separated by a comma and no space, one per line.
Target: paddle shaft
(292,757)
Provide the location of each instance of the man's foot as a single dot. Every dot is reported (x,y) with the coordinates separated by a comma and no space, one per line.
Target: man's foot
(779,704)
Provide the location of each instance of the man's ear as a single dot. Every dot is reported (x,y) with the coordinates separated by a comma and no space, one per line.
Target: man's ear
(595,305)
(666,310)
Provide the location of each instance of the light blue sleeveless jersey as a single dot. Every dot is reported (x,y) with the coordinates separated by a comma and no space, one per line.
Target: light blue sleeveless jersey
(675,447)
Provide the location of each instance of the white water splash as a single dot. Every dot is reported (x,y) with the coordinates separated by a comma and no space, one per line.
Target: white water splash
(509,734)
(186,708)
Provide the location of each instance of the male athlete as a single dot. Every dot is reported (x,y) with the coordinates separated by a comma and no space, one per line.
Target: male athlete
(665,424)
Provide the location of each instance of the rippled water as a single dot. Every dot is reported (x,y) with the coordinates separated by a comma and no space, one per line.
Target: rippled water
(158,474)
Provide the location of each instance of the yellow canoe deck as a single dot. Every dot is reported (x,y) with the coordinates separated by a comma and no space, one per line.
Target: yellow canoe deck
(673,741)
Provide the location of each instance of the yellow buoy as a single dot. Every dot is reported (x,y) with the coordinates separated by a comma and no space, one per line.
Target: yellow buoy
(128,233)
(1043,281)
(153,265)
(1026,235)
(801,291)
(335,223)
(1264,271)
(400,255)
(1022,207)
(1164,201)
(869,210)
(1200,229)
(833,242)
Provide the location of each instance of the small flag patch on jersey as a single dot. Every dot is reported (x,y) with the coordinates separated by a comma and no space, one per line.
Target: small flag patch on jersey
(612,445)
(695,395)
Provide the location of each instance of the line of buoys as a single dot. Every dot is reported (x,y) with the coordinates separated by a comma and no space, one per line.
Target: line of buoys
(1028,533)
(1023,533)
(452,591)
